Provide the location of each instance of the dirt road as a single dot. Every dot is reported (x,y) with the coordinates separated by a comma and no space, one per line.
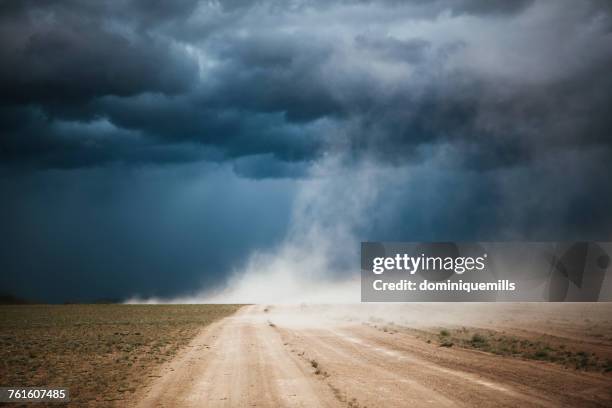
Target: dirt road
(267,358)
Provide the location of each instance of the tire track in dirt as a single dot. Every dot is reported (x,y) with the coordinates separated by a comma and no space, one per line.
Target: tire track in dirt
(239,362)
(355,376)
(468,378)
(258,358)
(539,380)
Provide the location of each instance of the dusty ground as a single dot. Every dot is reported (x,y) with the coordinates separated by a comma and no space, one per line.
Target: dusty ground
(102,353)
(393,356)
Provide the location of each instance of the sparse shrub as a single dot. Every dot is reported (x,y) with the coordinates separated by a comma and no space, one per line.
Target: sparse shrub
(541,355)
(478,339)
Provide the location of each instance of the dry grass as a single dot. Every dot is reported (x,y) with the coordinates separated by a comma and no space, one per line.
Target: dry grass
(579,356)
(101,353)
(530,348)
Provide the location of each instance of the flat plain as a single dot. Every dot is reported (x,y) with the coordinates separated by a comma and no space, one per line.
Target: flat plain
(361,355)
(102,353)
(408,355)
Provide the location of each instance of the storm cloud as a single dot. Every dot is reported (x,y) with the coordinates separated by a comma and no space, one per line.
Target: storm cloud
(469,120)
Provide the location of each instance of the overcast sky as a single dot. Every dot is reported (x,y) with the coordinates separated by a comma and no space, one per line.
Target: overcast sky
(161,150)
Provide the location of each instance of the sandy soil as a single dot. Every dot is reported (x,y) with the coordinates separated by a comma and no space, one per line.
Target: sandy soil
(238,362)
(274,357)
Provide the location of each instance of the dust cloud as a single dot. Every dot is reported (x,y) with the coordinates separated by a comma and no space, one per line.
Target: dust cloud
(318,261)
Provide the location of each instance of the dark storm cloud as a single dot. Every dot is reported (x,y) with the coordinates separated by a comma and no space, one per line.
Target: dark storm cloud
(58,58)
(55,54)
(257,78)
(411,50)
(185,119)
(474,110)
(87,63)
(424,7)
(264,166)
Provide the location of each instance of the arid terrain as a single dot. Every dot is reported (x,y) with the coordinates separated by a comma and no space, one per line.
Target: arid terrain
(102,353)
(497,355)
(363,355)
